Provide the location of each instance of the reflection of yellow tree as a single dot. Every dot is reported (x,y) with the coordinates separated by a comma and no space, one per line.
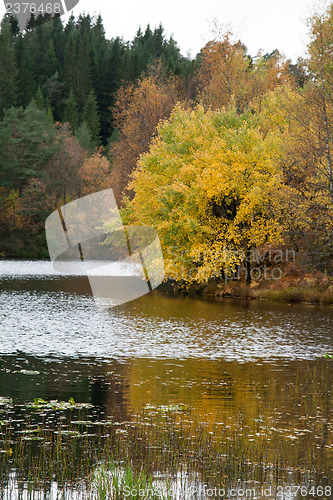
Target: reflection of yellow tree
(257,410)
(220,390)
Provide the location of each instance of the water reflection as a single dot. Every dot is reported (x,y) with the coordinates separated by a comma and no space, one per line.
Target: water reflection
(212,388)
(245,368)
(207,354)
(48,314)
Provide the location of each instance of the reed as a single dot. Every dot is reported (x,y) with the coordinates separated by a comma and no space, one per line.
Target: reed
(166,449)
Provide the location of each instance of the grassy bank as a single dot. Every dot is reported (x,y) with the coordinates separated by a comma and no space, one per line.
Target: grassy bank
(312,289)
(311,295)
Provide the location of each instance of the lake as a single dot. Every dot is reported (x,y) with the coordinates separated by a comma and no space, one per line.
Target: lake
(208,360)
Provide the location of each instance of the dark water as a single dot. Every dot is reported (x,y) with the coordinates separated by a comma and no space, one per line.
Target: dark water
(218,357)
(158,348)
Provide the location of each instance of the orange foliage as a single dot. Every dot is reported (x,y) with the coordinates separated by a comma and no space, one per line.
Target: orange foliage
(139,108)
(223,73)
(228,73)
(95,173)
(62,170)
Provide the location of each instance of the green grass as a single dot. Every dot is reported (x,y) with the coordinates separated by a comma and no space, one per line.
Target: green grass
(110,481)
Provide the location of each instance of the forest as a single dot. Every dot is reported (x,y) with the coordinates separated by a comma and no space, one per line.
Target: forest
(223,154)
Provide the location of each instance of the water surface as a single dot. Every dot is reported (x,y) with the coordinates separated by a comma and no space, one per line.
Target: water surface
(222,358)
(43,313)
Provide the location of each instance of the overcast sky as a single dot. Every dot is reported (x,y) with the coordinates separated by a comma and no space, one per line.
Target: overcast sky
(260,24)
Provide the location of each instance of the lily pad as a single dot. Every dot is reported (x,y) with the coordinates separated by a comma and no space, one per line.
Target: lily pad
(5,401)
(28,372)
(54,404)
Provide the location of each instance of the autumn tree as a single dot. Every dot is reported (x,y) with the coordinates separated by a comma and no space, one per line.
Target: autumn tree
(317,117)
(212,187)
(223,72)
(35,204)
(94,173)
(62,169)
(228,73)
(138,110)
(267,73)
(307,149)
(9,211)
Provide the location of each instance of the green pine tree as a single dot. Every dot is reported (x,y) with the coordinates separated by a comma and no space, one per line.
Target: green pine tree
(26,86)
(83,67)
(29,137)
(51,60)
(39,99)
(8,68)
(91,117)
(58,38)
(83,134)
(53,88)
(69,63)
(71,112)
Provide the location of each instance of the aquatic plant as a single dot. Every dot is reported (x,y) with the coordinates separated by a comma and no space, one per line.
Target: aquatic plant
(110,481)
(57,405)
(65,445)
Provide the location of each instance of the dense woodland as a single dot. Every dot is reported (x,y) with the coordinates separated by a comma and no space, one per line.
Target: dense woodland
(225,151)
(58,94)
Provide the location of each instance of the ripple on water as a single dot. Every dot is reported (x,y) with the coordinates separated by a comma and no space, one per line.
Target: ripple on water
(44,321)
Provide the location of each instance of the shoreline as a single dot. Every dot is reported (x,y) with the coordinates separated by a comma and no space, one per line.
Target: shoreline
(309,288)
(320,294)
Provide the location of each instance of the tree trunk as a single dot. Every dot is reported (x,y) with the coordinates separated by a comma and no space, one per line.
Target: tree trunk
(248,266)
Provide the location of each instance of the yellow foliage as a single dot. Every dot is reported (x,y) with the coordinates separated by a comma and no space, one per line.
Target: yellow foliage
(212,187)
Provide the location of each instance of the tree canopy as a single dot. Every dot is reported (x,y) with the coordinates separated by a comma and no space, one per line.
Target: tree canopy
(212,187)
